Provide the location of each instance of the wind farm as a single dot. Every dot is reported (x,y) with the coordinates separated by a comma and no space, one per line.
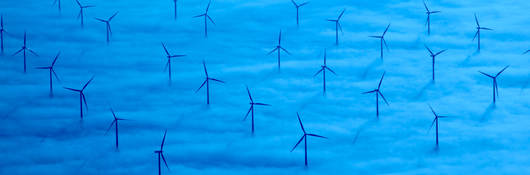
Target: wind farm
(157,74)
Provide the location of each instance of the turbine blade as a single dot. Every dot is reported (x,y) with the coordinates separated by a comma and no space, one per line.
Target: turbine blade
(330,70)
(88,82)
(210,19)
(381,80)
(55,59)
(163,158)
(113,114)
(248,112)
(217,80)
(33,52)
(78,3)
(526,52)
(72,89)
(205,70)
(382,96)
(302,4)
(165,49)
(340,27)
(199,15)
(476,34)
(384,42)
(425,5)
(294,3)
(485,28)
(249,96)
(272,51)
(375,36)
(298,143)
(262,104)
(113,16)
(432,124)
(435,12)
(175,56)
(55,74)
(167,65)
(84,100)
(110,126)
(430,51)
(201,86)
(163,140)
(99,19)
(502,70)
(432,110)
(341,13)
(486,74)
(476,20)
(367,92)
(208,7)
(314,135)
(386,30)
(438,53)
(42,67)
(300,121)
(318,72)
(17,52)
(285,50)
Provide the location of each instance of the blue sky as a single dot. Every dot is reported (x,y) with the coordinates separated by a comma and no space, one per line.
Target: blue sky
(45,135)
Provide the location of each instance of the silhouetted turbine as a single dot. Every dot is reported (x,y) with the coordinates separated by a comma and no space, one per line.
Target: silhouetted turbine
(337,26)
(52,71)
(251,109)
(58,2)
(383,41)
(428,22)
(115,123)
(433,56)
(323,70)
(161,154)
(23,50)
(168,64)
(304,137)
(377,93)
(495,87)
(107,24)
(206,18)
(2,31)
(81,12)
(478,31)
(436,117)
(207,82)
(279,48)
(297,6)
(82,98)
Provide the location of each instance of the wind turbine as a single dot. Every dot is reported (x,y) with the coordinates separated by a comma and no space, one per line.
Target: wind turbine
(107,24)
(304,137)
(52,71)
(115,123)
(58,2)
(337,26)
(436,117)
(377,93)
(207,82)
(428,12)
(323,70)
(168,64)
(279,48)
(478,31)
(81,14)
(383,41)
(206,18)
(161,154)
(82,98)
(23,50)
(433,56)
(251,109)
(2,31)
(297,6)
(495,87)
(526,52)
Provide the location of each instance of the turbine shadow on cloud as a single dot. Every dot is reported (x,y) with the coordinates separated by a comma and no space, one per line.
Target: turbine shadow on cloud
(487,112)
